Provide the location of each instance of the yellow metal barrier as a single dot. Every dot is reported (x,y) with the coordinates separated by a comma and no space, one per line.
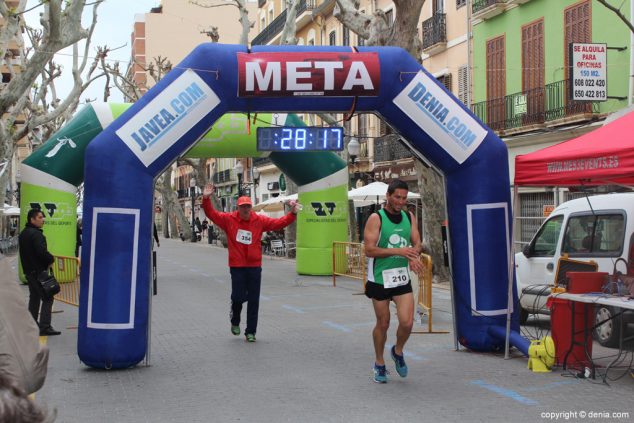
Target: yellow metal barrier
(66,271)
(348,259)
(424,293)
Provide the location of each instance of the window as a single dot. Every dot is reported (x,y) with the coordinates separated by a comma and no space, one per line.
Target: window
(346,36)
(496,82)
(594,235)
(438,6)
(360,41)
(362,121)
(446,81)
(332,38)
(384,128)
(460,3)
(545,243)
(463,85)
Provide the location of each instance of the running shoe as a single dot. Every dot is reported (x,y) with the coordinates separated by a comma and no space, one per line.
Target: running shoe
(250,337)
(399,361)
(380,374)
(235,330)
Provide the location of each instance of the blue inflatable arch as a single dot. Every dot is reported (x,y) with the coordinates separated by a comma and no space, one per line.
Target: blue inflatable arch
(123,161)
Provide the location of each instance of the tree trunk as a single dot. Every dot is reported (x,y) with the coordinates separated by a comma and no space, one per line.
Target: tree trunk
(433,202)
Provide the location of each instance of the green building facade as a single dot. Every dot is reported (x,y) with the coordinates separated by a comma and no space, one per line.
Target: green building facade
(520,66)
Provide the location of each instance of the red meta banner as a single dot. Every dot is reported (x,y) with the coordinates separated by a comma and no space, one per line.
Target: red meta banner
(308,74)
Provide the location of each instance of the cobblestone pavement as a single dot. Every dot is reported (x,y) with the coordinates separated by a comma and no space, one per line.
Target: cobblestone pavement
(311,363)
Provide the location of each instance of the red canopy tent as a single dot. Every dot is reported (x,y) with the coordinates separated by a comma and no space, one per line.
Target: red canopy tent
(603,156)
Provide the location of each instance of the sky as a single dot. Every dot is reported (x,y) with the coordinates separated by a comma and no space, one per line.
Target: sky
(114,26)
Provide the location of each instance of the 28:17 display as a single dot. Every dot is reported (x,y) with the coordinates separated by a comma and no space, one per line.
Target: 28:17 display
(306,138)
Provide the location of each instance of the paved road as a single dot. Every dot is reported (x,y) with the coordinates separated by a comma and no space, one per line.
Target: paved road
(311,363)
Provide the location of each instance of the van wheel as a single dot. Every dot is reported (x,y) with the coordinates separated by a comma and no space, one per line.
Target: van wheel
(523,316)
(609,332)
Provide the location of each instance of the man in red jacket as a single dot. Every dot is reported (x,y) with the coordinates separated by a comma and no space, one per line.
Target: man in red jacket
(244,230)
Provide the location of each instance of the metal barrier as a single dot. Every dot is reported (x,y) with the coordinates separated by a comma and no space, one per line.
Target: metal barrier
(66,271)
(348,259)
(424,294)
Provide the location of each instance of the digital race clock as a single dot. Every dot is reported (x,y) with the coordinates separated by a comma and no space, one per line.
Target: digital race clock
(301,138)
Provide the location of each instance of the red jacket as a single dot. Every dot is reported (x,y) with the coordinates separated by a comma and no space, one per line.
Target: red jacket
(247,253)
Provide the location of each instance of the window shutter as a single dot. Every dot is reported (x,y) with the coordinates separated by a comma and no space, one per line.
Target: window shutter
(463,88)
(446,81)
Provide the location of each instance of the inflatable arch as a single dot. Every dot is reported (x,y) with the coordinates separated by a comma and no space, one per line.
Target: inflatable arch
(123,160)
(52,173)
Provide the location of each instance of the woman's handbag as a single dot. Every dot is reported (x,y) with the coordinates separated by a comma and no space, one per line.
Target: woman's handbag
(49,284)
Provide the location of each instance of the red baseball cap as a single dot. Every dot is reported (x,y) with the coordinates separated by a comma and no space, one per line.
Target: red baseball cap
(244,200)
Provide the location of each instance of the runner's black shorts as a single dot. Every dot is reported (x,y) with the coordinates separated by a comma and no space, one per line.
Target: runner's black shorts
(378,292)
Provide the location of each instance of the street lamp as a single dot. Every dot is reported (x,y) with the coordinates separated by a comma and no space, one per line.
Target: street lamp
(239,170)
(354,149)
(192,189)
(255,175)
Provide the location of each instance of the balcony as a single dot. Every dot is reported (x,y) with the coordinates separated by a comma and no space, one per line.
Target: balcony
(435,34)
(388,148)
(276,27)
(261,161)
(486,9)
(223,177)
(534,109)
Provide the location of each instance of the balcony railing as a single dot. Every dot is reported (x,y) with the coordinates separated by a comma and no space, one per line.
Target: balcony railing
(275,27)
(223,177)
(435,31)
(388,148)
(483,9)
(533,107)
(261,161)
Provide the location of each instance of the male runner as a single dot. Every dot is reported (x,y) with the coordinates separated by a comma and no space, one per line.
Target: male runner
(393,245)
(244,230)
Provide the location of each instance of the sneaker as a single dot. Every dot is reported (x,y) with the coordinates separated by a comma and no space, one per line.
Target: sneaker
(250,337)
(380,374)
(235,330)
(49,331)
(399,361)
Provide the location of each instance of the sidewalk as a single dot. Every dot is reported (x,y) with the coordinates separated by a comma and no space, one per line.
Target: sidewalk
(312,361)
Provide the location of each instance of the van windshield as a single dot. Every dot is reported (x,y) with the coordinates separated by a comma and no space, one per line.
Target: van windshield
(545,243)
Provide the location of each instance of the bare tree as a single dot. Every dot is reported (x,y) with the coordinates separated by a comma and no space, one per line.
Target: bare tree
(244,17)
(617,11)
(377,31)
(29,100)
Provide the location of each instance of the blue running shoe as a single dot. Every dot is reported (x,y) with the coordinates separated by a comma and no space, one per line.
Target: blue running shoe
(380,374)
(399,361)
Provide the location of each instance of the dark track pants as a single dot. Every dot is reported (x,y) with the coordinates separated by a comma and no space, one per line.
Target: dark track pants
(37,297)
(245,286)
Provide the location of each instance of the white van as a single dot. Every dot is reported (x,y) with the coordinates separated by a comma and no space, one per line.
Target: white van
(597,228)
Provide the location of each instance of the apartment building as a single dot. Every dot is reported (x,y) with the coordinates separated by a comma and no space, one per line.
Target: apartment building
(521,83)
(171,31)
(443,30)
(24,147)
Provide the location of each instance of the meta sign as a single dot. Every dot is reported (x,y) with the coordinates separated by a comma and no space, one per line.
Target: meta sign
(308,74)
(588,76)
